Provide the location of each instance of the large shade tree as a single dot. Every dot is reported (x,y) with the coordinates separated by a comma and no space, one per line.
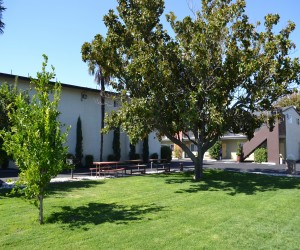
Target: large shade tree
(208,79)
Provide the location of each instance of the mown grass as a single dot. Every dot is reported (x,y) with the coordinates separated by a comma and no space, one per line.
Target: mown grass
(224,211)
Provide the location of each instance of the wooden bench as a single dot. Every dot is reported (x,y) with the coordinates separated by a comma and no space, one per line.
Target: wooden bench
(166,167)
(115,171)
(107,168)
(140,168)
(92,170)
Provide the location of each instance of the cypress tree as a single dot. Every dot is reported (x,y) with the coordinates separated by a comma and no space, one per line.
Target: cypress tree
(116,144)
(132,152)
(79,149)
(146,150)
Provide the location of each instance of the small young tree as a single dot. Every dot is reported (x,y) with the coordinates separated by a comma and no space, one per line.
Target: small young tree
(79,149)
(35,139)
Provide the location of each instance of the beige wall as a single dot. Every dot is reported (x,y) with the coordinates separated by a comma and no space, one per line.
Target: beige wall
(72,105)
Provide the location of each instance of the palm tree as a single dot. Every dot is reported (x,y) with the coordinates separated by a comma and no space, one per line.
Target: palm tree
(96,63)
(2,25)
(102,81)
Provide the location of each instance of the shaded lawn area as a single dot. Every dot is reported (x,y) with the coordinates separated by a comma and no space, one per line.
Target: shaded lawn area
(226,210)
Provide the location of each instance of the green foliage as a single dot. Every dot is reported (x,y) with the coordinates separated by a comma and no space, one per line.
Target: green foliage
(35,140)
(261,155)
(2,25)
(166,153)
(89,160)
(8,95)
(209,79)
(116,144)
(79,148)
(70,156)
(214,151)
(290,100)
(111,157)
(146,149)
(239,149)
(154,156)
(132,154)
(178,152)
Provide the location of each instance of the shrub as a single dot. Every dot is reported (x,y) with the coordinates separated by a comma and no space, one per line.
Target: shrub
(89,160)
(214,151)
(261,155)
(154,156)
(178,152)
(166,153)
(70,156)
(111,158)
(239,149)
(132,153)
(4,160)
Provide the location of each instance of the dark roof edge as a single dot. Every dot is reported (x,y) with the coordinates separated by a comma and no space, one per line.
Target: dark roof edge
(62,84)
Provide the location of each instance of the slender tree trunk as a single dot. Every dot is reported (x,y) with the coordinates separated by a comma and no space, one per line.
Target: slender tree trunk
(102,92)
(41,198)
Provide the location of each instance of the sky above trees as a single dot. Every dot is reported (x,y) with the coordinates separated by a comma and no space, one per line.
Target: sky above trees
(59,28)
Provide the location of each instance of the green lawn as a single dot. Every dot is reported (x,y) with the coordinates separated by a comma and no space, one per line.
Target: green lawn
(224,211)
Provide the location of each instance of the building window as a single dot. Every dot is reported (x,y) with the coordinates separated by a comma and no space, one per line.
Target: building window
(298,121)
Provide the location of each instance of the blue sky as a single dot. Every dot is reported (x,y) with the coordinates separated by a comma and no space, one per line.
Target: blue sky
(58,28)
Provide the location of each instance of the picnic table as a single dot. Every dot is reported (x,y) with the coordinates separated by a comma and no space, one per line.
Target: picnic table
(160,164)
(107,167)
(135,166)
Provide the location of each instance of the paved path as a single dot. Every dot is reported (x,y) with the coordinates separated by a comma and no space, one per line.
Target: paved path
(224,164)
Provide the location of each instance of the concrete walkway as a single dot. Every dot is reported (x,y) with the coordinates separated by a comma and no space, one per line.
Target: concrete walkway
(228,165)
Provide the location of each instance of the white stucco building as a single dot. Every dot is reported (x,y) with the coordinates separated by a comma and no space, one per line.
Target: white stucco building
(85,102)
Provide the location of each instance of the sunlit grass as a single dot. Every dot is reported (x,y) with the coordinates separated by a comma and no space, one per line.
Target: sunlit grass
(224,211)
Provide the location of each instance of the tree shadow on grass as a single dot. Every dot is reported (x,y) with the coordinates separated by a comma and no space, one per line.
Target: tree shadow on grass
(57,187)
(53,188)
(235,183)
(98,213)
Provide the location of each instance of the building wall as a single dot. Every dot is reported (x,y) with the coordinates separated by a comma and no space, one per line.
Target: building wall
(292,120)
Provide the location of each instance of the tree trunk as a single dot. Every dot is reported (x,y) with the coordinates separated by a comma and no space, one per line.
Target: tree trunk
(198,161)
(41,197)
(198,168)
(102,92)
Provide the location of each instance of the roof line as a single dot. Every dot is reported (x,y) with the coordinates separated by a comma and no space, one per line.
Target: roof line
(62,84)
